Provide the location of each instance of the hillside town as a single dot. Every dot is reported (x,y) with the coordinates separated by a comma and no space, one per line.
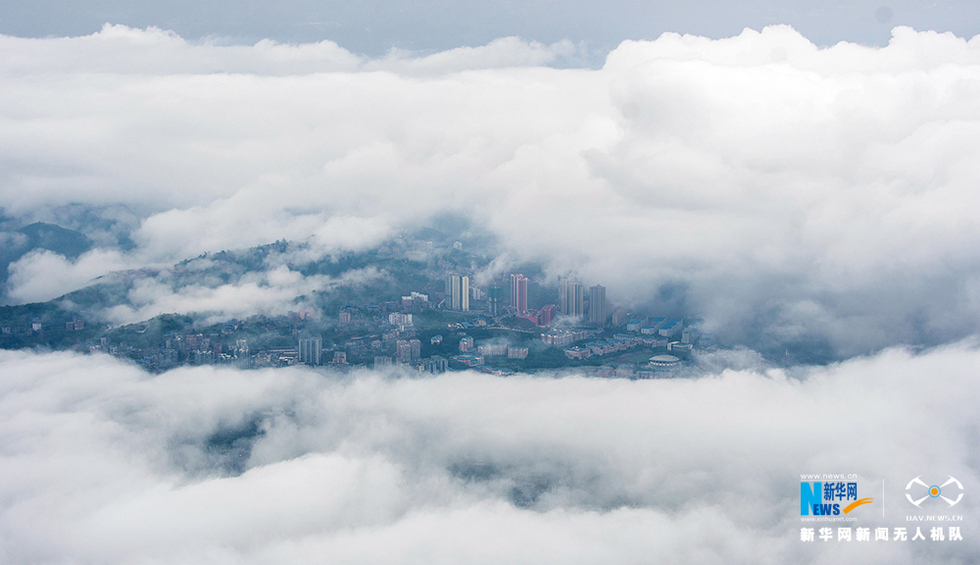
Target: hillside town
(492,328)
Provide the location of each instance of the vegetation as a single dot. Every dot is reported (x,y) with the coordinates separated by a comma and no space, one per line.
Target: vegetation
(368,284)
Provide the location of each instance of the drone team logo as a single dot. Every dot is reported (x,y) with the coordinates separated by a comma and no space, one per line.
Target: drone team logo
(932,491)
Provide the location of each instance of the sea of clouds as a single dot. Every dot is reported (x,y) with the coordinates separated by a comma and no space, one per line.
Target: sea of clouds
(103,463)
(789,190)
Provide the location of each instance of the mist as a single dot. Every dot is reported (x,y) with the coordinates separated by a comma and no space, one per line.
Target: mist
(105,463)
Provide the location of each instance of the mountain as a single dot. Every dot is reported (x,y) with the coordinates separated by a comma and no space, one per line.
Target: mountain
(39,235)
(69,243)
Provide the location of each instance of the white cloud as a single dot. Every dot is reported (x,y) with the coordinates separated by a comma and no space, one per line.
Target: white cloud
(121,49)
(269,292)
(104,463)
(823,192)
(499,53)
(42,275)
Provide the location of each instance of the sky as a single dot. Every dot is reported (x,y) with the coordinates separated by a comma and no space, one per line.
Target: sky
(784,170)
(376,26)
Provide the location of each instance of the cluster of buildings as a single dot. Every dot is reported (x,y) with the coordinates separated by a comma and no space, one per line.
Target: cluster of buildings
(671,329)
(543,317)
(575,302)
(616,344)
(661,333)
(649,371)
(572,303)
(478,359)
(656,326)
(389,331)
(561,337)
(433,364)
(502,350)
(416,302)
(408,352)
(571,298)
(192,348)
(37,328)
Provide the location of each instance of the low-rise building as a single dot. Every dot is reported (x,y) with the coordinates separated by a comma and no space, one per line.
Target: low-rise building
(672,327)
(492,349)
(517,352)
(469,359)
(578,353)
(562,338)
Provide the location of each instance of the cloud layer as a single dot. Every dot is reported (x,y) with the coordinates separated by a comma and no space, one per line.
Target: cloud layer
(794,193)
(104,463)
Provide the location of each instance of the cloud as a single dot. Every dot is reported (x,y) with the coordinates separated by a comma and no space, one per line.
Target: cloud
(42,275)
(270,292)
(152,51)
(499,53)
(105,463)
(796,194)
(222,226)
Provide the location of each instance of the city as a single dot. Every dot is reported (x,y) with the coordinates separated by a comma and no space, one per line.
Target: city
(455,325)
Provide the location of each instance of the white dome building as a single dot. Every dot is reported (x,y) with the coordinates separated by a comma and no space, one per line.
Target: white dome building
(664,361)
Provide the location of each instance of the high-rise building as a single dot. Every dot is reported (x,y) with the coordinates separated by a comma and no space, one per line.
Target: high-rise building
(518,294)
(403,351)
(493,300)
(597,305)
(310,350)
(619,316)
(415,302)
(571,298)
(458,292)
(434,364)
(546,315)
(408,350)
(242,356)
